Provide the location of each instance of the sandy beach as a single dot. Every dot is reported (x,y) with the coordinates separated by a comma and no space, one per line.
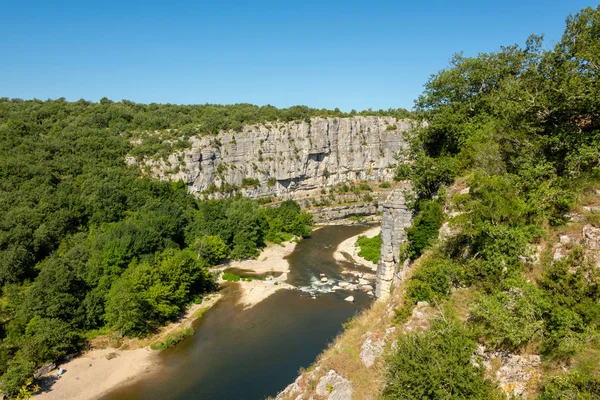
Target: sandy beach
(99,370)
(271,259)
(347,248)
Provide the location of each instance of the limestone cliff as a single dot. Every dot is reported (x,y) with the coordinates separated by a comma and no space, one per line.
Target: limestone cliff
(395,220)
(288,158)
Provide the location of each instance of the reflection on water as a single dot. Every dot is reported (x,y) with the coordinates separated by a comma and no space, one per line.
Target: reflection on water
(255,353)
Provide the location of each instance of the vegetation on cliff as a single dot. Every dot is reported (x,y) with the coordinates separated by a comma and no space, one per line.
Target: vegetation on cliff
(521,128)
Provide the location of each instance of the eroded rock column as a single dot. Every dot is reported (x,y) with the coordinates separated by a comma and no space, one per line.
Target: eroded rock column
(395,220)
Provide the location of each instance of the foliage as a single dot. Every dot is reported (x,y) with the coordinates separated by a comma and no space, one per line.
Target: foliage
(250,182)
(89,244)
(211,249)
(575,385)
(522,126)
(436,364)
(17,375)
(370,248)
(511,318)
(425,227)
(432,280)
(572,287)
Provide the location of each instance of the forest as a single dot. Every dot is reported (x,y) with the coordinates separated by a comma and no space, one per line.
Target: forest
(520,130)
(88,245)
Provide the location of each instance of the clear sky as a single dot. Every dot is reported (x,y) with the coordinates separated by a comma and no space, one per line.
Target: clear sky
(346,54)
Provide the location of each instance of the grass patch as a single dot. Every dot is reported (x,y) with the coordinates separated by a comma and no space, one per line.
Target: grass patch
(198,314)
(229,277)
(172,339)
(370,248)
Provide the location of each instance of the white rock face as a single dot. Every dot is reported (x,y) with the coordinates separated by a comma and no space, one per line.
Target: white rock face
(396,219)
(334,387)
(371,349)
(287,157)
(517,375)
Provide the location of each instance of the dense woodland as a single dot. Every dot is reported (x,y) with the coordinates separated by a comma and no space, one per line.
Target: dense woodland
(89,246)
(521,129)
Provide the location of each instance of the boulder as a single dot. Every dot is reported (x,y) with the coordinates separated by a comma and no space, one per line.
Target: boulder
(350,299)
(324,279)
(591,237)
(334,387)
(365,288)
(43,370)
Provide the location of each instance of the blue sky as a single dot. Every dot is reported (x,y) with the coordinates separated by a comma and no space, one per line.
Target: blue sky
(346,54)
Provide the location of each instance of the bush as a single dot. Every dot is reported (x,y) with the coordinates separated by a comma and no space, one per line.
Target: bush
(212,249)
(19,371)
(574,385)
(425,227)
(436,364)
(250,182)
(510,319)
(432,280)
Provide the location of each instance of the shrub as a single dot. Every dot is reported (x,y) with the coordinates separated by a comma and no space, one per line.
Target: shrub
(436,364)
(212,249)
(425,227)
(432,280)
(574,385)
(250,182)
(511,318)
(385,185)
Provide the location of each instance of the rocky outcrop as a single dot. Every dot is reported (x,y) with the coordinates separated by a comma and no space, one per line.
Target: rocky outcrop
(517,375)
(591,237)
(395,220)
(334,387)
(346,211)
(284,158)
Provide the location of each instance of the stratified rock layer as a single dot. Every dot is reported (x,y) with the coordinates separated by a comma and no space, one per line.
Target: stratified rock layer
(290,157)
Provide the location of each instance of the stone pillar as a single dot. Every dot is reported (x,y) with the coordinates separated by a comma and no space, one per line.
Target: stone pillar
(395,220)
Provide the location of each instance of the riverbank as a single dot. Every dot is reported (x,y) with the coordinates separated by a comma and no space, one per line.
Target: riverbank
(272,260)
(348,248)
(104,367)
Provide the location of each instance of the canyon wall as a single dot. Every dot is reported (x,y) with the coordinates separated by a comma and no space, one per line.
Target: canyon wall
(285,159)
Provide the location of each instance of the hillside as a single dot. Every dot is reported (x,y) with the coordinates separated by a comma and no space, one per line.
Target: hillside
(495,290)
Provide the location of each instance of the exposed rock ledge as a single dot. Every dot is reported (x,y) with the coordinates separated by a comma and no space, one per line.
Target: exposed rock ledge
(290,157)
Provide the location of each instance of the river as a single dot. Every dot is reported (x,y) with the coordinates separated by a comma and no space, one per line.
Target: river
(252,354)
